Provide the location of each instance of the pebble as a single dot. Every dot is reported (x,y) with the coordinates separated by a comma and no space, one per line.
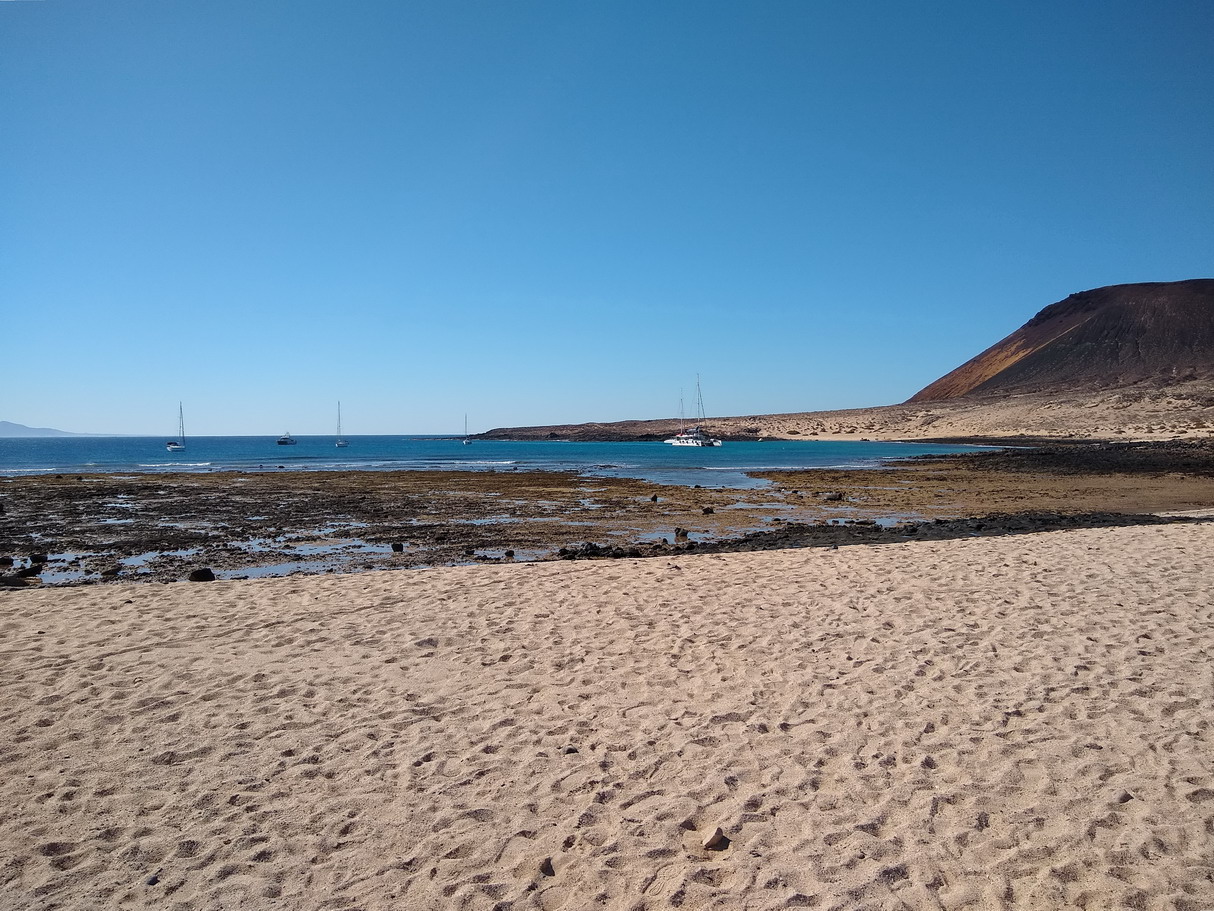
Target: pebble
(717,841)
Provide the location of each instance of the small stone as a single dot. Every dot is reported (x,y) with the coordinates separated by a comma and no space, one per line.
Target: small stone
(654,498)
(546,867)
(206,574)
(707,510)
(398,547)
(569,750)
(717,841)
(153,879)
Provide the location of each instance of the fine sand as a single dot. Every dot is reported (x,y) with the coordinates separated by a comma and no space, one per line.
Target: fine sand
(1016,722)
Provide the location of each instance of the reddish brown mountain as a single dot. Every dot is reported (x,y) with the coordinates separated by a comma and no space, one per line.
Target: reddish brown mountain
(1122,335)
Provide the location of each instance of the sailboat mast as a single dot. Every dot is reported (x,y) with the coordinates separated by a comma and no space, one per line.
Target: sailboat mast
(181,422)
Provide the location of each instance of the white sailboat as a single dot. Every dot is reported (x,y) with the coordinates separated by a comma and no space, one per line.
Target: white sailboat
(341,443)
(467,439)
(178,445)
(697,435)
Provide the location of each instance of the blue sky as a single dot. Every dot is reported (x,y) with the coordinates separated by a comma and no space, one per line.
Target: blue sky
(540,212)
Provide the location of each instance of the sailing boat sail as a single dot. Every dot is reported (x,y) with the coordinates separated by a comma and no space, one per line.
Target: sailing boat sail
(697,435)
(341,443)
(467,439)
(178,445)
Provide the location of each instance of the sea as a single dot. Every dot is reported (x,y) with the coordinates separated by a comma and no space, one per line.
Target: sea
(723,466)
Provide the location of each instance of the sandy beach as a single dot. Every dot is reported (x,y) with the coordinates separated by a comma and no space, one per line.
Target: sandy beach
(1012,722)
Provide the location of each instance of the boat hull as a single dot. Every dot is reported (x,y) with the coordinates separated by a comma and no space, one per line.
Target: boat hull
(693,437)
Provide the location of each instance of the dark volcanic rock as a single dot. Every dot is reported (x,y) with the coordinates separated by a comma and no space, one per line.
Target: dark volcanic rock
(1194,457)
(1159,332)
(796,535)
(206,574)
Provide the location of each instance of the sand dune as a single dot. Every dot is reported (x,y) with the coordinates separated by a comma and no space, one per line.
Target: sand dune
(1020,722)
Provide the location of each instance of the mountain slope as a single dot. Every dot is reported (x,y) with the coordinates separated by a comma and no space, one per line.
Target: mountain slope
(9,429)
(1120,335)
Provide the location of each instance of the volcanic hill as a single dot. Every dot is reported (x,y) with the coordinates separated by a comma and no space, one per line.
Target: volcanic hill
(1125,362)
(1156,333)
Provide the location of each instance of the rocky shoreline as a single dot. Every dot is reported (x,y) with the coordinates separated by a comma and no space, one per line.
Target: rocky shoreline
(866,531)
(67,530)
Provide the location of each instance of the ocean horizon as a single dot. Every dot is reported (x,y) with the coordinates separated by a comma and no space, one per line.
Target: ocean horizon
(724,466)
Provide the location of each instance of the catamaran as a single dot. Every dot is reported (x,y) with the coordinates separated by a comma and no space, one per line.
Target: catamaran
(178,445)
(341,443)
(696,435)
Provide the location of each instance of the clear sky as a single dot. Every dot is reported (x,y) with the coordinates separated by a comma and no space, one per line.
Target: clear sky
(541,212)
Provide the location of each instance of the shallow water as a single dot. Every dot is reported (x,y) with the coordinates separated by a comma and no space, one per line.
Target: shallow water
(723,466)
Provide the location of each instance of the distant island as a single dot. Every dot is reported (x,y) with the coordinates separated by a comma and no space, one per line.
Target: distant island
(9,429)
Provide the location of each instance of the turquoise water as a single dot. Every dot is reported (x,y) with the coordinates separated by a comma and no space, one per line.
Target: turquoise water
(724,466)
